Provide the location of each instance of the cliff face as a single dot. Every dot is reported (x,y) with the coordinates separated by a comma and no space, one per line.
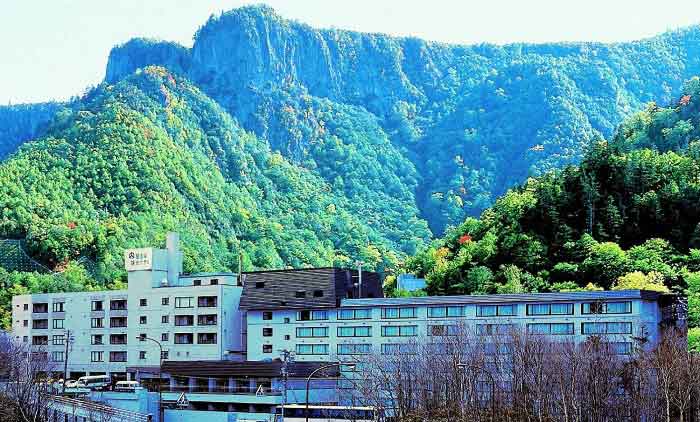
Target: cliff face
(473,120)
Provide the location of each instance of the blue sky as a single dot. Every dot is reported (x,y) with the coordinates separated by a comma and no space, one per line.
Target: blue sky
(53,49)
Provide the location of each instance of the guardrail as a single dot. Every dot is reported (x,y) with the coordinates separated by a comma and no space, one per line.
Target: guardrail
(222,390)
(89,408)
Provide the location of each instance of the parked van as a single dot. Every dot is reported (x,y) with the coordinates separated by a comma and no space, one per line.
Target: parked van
(127,386)
(95,382)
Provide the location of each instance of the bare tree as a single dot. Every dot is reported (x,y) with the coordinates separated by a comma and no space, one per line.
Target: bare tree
(26,392)
(518,376)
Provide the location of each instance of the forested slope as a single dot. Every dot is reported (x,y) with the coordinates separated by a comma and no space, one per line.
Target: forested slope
(151,154)
(627,217)
(471,120)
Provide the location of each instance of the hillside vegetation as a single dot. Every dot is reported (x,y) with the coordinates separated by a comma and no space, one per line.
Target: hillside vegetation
(152,154)
(626,217)
(472,120)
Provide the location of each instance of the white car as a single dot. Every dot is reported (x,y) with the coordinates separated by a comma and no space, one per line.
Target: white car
(72,384)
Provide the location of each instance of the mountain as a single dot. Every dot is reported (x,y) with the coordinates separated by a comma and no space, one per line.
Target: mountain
(626,217)
(453,127)
(24,122)
(152,153)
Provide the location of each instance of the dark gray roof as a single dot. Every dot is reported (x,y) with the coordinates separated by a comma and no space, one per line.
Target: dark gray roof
(505,298)
(263,369)
(321,288)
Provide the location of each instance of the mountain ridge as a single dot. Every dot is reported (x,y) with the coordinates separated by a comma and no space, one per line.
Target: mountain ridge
(416,88)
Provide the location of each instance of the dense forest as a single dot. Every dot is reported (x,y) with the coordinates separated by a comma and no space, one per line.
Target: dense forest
(152,154)
(627,217)
(449,127)
(473,120)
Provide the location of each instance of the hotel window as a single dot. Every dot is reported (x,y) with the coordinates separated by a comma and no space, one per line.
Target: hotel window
(117,356)
(143,302)
(184,320)
(97,305)
(117,305)
(40,340)
(551,329)
(312,349)
(312,315)
(621,348)
(355,314)
(117,322)
(606,328)
(445,311)
(318,293)
(40,324)
(197,283)
(354,349)
(497,348)
(96,323)
(267,315)
(58,323)
(206,338)
(354,331)
(206,301)
(606,307)
(396,313)
(58,306)
(267,332)
(40,308)
(312,332)
(143,319)
(142,354)
(214,281)
(25,307)
(267,348)
(117,339)
(399,330)
(493,329)
(25,339)
(96,339)
(300,294)
(496,310)
(206,319)
(164,355)
(184,302)
(550,309)
(165,301)
(443,330)
(58,340)
(184,338)
(164,337)
(164,319)
(25,323)
(57,356)
(96,356)
(398,349)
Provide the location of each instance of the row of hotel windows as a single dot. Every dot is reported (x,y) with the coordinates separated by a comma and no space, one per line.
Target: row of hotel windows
(623,307)
(121,322)
(121,304)
(623,348)
(98,339)
(98,356)
(589,328)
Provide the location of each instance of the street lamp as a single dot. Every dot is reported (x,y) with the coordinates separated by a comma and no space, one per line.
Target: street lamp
(493,384)
(350,366)
(160,371)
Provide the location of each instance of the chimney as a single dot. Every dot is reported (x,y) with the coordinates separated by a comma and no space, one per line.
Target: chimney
(172,244)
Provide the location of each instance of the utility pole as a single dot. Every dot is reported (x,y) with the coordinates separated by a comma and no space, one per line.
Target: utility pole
(67,341)
(286,359)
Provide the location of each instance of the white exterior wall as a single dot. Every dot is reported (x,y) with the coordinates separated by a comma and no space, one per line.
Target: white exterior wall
(645,318)
(150,281)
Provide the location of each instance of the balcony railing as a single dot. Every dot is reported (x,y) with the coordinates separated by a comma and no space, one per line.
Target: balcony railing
(243,390)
